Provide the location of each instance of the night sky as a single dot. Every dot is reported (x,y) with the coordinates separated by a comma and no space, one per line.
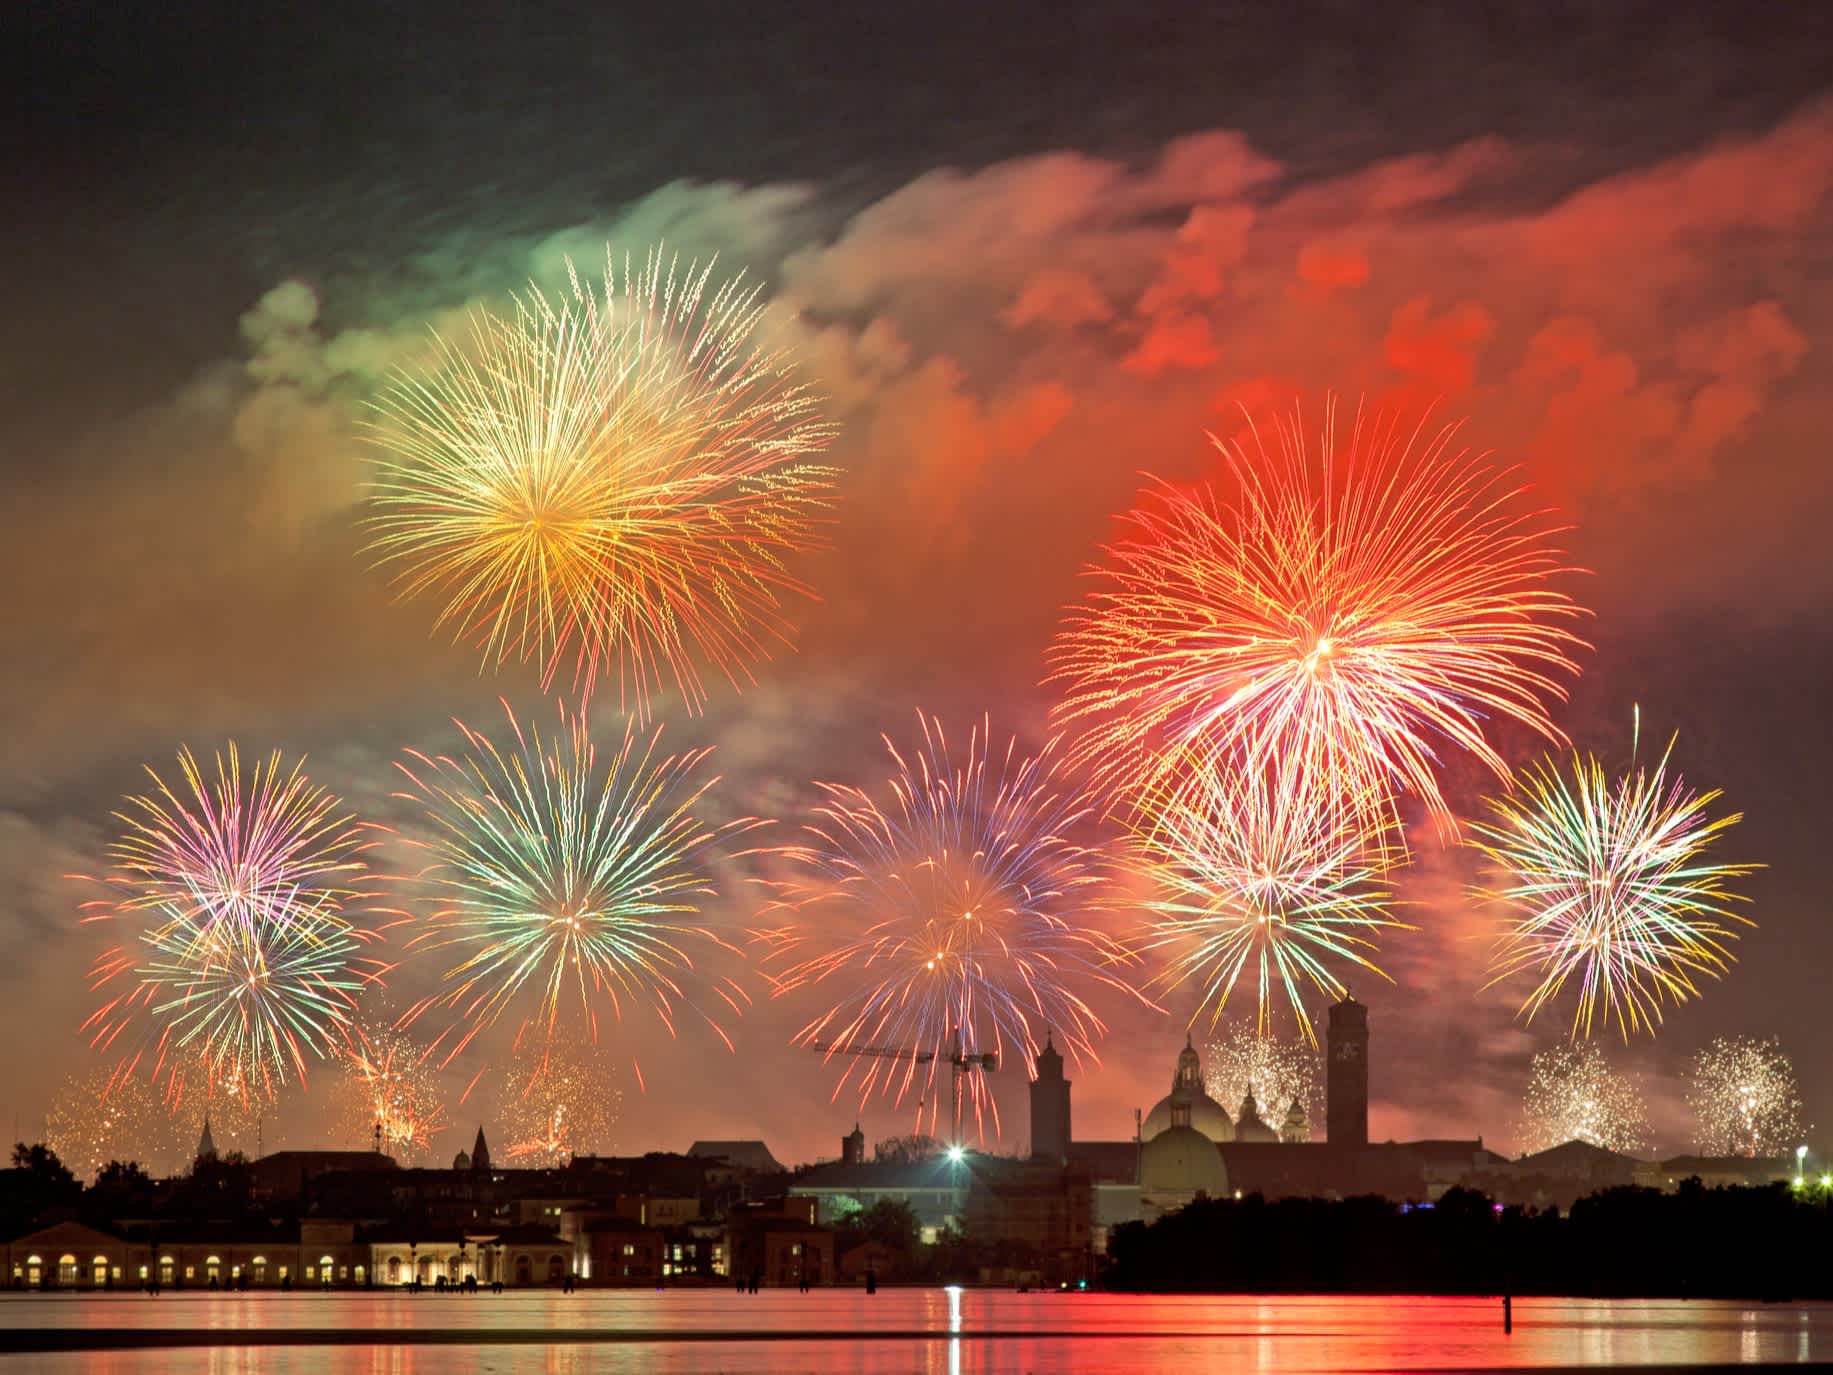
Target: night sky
(1036,250)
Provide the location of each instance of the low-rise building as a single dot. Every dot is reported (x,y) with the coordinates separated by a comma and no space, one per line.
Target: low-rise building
(779,1243)
(620,1252)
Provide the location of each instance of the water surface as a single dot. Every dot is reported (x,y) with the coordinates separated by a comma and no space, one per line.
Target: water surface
(949,1332)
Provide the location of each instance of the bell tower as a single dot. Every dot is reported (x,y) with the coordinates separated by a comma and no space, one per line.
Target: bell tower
(1346,1075)
(1049,1106)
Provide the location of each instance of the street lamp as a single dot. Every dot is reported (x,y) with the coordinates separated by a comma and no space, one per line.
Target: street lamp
(1801,1154)
(956,1155)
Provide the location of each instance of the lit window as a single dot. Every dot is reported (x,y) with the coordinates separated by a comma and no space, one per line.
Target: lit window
(629,1249)
(311,1272)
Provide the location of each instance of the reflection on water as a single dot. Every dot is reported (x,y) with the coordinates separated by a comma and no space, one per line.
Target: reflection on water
(961,1332)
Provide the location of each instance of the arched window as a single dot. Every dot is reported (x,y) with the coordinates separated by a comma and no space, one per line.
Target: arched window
(362,1273)
(259,1266)
(66,1270)
(556,1267)
(99,1271)
(394,1269)
(523,1270)
(324,1269)
(35,1271)
(213,1268)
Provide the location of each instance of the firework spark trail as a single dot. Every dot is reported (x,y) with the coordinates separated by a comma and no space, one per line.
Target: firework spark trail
(1363,612)
(955,918)
(248,1005)
(1744,1098)
(564,879)
(621,476)
(1254,874)
(222,850)
(1278,1073)
(1574,1095)
(1609,887)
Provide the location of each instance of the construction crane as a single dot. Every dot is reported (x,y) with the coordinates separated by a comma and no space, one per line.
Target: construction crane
(960,1064)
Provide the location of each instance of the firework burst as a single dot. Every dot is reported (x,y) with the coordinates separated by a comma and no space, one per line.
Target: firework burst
(954,918)
(391,1091)
(1363,613)
(1254,875)
(1574,1095)
(236,1004)
(616,475)
(248,852)
(1278,1073)
(1744,1098)
(565,879)
(100,1117)
(562,1101)
(1609,889)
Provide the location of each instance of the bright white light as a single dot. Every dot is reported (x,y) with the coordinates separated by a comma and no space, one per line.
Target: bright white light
(956,1155)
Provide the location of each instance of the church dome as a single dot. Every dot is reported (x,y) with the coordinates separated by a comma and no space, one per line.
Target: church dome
(1206,1115)
(1248,1123)
(1180,1163)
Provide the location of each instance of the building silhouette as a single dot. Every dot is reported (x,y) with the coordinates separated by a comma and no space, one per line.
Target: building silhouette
(1190,1102)
(1050,1107)
(1346,1075)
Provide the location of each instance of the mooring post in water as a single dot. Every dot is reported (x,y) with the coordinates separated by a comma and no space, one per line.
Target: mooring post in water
(1508,1315)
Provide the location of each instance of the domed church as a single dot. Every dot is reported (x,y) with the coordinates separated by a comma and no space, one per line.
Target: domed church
(1200,1112)
(1178,1165)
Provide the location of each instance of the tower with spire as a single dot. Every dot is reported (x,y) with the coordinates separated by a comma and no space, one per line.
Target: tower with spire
(1049,1106)
(480,1153)
(206,1145)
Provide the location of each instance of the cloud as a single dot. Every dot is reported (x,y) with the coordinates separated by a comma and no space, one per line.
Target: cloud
(1006,349)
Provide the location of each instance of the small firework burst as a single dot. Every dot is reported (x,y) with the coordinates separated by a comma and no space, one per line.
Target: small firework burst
(391,1094)
(1574,1095)
(1610,890)
(100,1117)
(561,1101)
(1744,1098)
(1255,876)
(234,1004)
(568,881)
(1281,1075)
(956,918)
